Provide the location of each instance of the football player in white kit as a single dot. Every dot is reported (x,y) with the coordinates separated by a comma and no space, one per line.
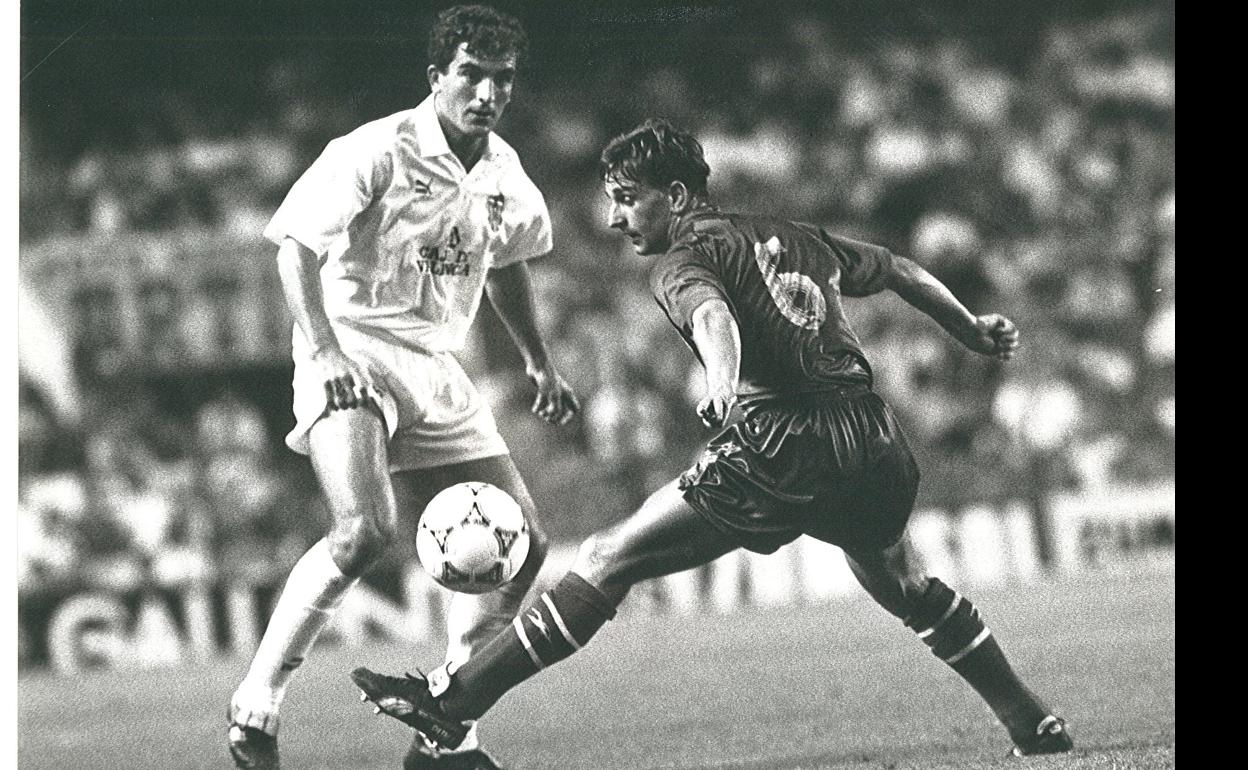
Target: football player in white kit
(384,247)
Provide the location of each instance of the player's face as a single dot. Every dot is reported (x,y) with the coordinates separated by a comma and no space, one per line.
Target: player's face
(472,93)
(643,214)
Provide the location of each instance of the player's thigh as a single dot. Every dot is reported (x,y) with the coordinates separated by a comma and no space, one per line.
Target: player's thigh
(415,488)
(666,535)
(892,575)
(348,453)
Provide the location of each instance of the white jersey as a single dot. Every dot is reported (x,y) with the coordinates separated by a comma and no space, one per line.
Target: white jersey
(407,235)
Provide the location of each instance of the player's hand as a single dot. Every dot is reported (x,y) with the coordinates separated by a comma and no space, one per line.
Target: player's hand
(555,402)
(348,385)
(995,335)
(716,406)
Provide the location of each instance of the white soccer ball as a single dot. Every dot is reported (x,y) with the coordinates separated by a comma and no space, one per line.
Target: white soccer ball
(472,537)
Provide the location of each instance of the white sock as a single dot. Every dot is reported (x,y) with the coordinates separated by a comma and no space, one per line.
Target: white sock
(313,591)
(472,620)
(470,740)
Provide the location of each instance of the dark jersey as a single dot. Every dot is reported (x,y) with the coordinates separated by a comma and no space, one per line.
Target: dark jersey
(783,281)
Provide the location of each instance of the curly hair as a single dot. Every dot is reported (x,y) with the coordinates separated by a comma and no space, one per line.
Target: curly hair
(488,33)
(656,153)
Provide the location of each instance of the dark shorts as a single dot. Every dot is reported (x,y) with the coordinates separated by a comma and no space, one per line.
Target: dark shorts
(831,465)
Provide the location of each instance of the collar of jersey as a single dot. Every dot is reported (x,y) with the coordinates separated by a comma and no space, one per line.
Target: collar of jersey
(429,136)
(689,224)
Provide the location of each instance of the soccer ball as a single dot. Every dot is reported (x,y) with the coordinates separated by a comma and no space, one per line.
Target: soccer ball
(472,537)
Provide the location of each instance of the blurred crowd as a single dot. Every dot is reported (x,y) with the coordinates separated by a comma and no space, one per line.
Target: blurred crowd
(138,497)
(1033,173)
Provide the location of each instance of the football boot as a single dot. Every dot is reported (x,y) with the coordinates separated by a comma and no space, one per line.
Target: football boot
(421,757)
(407,699)
(250,747)
(1052,737)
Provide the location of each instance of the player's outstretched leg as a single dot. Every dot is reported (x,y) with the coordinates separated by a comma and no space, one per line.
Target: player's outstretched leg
(348,454)
(473,620)
(442,706)
(664,537)
(951,626)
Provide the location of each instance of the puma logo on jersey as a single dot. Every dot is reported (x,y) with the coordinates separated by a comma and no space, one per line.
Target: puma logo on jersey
(423,188)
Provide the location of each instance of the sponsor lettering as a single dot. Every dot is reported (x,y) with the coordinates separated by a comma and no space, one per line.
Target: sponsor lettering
(440,267)
(442,259)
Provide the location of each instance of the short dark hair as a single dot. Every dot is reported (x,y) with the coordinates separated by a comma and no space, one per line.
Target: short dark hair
(488,32)
(656,153)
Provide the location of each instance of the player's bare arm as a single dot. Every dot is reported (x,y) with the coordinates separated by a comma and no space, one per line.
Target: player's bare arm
(510,291)
(718,341)
(991,334)
(347,384)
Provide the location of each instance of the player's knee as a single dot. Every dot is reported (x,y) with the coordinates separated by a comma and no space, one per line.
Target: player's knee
(896,584)
(357,543)
(913,593)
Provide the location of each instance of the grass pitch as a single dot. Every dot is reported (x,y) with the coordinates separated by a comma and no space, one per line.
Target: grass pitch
(833,685)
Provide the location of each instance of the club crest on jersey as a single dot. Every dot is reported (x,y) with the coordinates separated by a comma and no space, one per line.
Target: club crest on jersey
(495,204)
(423,188)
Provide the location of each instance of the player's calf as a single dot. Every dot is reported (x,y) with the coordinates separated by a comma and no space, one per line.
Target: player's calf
(552,628)
(952,627)
(556,625)
(599,560)
(947,622)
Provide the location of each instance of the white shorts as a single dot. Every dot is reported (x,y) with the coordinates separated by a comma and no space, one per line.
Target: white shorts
(432,411)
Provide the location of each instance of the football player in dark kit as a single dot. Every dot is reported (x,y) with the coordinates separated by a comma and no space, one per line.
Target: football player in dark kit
(758,300)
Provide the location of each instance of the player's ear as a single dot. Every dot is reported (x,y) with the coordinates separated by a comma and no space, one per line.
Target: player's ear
(435,76)
(678,196)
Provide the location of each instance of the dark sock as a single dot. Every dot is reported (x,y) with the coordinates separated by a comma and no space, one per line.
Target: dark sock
(952,627)
(556,625)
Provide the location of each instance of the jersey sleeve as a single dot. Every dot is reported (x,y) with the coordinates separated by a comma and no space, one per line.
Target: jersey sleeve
(322,203)
(864,266)
(682,281)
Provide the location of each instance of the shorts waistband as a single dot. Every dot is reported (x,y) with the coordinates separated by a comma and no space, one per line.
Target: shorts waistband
(805,399)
